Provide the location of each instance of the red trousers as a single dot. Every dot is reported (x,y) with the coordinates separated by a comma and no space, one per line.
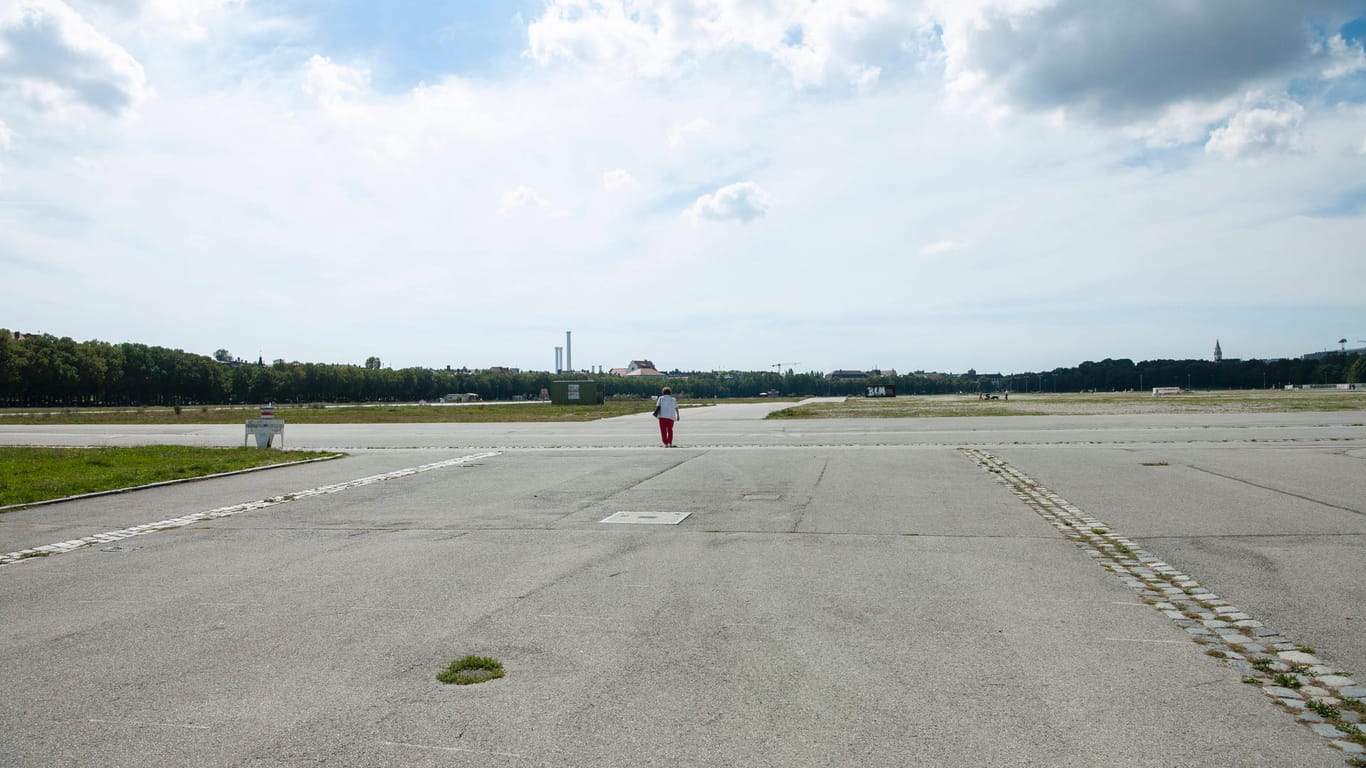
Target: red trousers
(666,431)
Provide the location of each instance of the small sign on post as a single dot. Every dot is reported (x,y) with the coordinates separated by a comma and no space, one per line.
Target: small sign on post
(265,428)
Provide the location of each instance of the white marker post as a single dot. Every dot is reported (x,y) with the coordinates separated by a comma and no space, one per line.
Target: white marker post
(265,428)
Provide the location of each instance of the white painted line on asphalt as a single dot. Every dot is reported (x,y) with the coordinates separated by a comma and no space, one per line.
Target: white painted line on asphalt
(647,518)
(213,514)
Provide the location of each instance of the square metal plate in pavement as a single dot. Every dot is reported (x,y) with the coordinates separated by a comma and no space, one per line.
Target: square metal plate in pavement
(647,518)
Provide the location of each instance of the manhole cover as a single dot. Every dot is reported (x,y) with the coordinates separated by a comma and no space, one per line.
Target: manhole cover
(647,518)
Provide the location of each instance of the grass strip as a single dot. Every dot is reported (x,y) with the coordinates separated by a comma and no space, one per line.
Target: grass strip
(332,413)
(29,475)
(1081,404)
(320,413)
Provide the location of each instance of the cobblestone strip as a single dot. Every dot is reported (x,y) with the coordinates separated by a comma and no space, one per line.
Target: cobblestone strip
(177,522)
(1327,701)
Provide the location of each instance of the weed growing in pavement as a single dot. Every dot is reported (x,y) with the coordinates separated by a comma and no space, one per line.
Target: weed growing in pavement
(470,670)
(27,555)
(1263,663)
(1216,653)
(1252,680)
(1325,709)
(1287,681)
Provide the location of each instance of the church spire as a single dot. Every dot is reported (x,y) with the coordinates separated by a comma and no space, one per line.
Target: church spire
(1218,353)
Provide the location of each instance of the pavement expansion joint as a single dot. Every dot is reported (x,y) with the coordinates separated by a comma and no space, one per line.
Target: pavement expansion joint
(236,509)
(1329,702)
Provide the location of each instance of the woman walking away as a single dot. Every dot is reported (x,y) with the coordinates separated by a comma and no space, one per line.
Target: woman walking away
(666,410)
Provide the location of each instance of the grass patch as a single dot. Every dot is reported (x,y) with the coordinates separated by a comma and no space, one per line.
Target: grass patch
(28,475)
(319,413)
(470,670)
(1080,404)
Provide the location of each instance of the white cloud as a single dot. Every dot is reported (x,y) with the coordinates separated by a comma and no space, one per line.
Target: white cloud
(1344,58)
(834,41)
(681,133)
(1183,122)
(520,198)
(744,202)
(1258,130)
(185,19)
(334,84)
(942,246)
(55,63)
(6,136)
(619,179)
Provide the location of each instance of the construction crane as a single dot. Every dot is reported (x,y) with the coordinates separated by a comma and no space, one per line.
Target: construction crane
(778,367)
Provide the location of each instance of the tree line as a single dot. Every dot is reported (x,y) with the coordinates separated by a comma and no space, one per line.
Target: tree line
(43,370)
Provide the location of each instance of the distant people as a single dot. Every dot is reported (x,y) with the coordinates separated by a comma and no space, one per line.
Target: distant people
(666,411)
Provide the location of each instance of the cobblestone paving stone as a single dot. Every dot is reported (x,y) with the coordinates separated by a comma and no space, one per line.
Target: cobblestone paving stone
(1326,700)
(236,509)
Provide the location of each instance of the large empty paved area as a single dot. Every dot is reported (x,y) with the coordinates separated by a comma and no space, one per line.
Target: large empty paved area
(837,593)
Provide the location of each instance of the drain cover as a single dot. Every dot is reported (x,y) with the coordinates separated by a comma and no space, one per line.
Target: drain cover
(647,518)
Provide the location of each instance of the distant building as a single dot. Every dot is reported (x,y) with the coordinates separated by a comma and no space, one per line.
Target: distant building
(859,374)
(643,368)
(1330,353)
(1218,352)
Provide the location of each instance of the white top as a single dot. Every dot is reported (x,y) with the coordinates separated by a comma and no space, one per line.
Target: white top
(668,407)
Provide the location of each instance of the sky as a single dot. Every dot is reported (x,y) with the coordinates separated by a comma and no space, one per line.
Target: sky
(936,185)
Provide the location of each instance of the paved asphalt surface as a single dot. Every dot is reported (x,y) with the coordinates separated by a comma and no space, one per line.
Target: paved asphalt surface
(842,593)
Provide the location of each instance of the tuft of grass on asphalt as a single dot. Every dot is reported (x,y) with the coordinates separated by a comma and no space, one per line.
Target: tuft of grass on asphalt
(29,475)
(470,670)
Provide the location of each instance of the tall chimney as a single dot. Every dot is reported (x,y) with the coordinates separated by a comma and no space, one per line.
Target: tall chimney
(559,359)
(568,353)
